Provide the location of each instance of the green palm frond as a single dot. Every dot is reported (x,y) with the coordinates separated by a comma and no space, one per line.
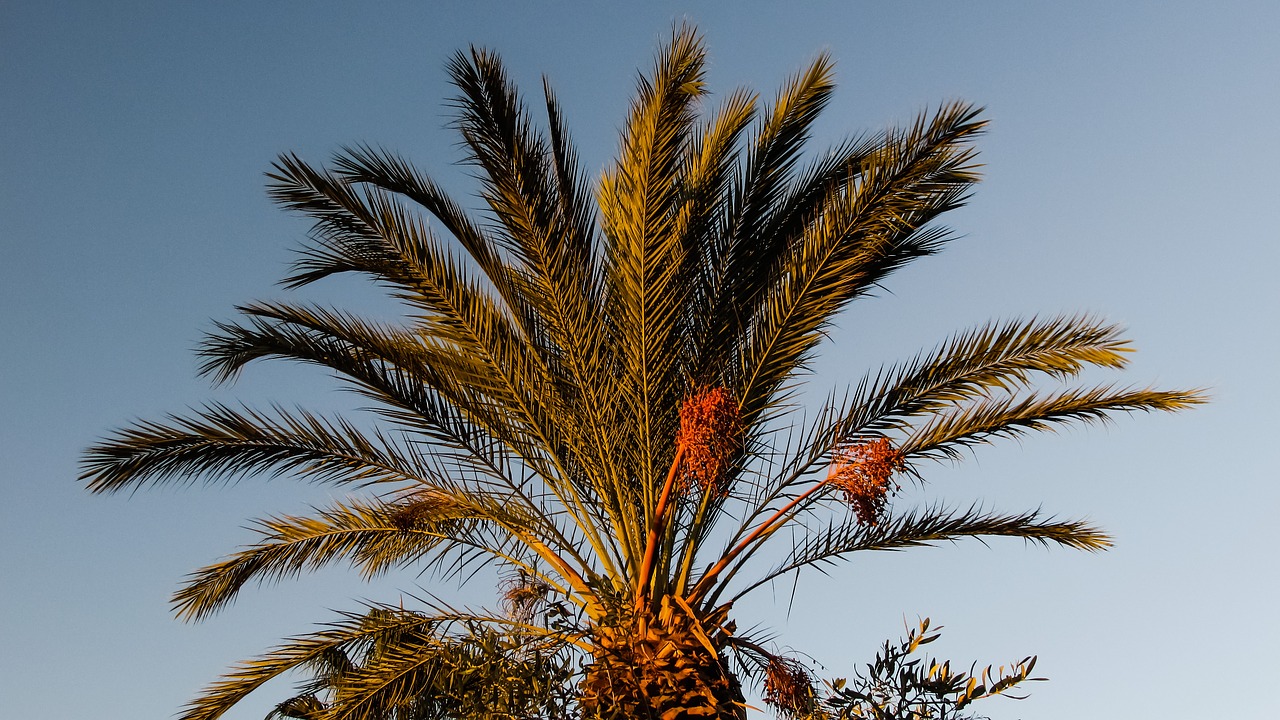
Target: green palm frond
(363,352)
(518,175)
(993,357)
(427,528)
(393,372)
(404,371)
(947,433)
(968,366)
(449,396)
(448,677)
(710,167)
(371,232)
(374,235)
(748,246)
(355,634)
(533,189)
(373,536)
(645,260)
(927,526)
(460,313)
(865,231)
(220,443)
(465,664)
(370,664)
(300,707)
(365,165)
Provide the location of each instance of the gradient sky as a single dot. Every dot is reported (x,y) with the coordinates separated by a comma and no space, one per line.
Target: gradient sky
(1131,172)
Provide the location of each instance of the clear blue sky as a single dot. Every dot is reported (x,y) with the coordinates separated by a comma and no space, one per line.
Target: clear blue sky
(1131,171)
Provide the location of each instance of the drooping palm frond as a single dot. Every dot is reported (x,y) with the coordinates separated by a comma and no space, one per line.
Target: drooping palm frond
(590,390)
(387,660)
(222,443)
(943,435)
(825,546)
(993,357)
(391,365)
(413,386)
(947,433)
(481,672)
(970,367)
(422,528)
(355,634)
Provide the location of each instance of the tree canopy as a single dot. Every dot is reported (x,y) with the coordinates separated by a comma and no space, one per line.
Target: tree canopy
(595,389)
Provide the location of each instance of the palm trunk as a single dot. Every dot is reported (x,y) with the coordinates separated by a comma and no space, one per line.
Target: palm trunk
(668,667)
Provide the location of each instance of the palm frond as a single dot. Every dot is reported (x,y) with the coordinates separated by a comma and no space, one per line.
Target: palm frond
(462,313)
(447,395)
(465,436)
(358,350)
(711,168)
(576,211)
(430,675)
(371,233)
(948,430)
(355,634)
(396,248)
(746,248)
(366,165)
(970,365)
(517,174)
(299,707)
(946,433)
(413,373)
(531,187)
(992,357)
(865,231)
(639,198)
(391,659)
(220,443)
(373,536)
(927,526)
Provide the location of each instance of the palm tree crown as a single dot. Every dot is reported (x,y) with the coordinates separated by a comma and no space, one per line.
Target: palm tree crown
(587,392)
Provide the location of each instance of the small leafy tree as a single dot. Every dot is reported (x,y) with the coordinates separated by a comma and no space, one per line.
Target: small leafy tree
(589,391)
(898,686)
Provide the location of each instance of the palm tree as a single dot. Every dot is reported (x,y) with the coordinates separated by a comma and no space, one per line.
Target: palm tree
(594,391)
